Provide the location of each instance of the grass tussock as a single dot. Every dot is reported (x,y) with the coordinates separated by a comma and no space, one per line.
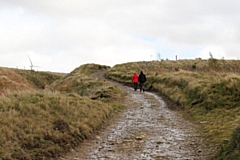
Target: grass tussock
(230,151)
(207,90)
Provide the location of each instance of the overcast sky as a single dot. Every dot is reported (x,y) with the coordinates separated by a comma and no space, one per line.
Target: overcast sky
(60,35)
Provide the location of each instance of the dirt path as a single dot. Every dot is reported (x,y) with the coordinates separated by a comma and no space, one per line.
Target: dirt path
(147,130)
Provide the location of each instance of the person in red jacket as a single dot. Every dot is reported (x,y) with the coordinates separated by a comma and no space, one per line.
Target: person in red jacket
(135,81)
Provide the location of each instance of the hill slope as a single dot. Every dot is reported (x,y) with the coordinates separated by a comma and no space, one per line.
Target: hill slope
(24,80)
(44,115)
(207,91)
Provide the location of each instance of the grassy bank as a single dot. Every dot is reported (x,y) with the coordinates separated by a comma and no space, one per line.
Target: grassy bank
(79,81)
(44,123)
(38,125)
(207,91)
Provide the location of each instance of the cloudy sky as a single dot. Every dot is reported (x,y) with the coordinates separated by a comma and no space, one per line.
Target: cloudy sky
(60,35)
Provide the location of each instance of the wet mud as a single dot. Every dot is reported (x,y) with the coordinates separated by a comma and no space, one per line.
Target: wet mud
(146,130)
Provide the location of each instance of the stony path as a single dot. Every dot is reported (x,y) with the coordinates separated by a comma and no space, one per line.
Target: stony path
(147,130)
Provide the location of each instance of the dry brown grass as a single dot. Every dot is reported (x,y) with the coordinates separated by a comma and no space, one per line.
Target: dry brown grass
(38,125)
(11,81)
(45,122)
(24,80)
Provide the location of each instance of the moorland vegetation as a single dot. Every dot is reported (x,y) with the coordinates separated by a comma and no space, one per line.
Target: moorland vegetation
(44,114)
(207,92)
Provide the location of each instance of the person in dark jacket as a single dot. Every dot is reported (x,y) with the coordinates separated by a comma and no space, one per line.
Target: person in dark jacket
(141,79)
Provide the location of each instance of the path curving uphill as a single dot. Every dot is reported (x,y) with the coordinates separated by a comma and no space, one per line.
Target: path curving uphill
(147,130)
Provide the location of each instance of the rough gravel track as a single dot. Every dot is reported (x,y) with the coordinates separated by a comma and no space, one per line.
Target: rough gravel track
(146,130)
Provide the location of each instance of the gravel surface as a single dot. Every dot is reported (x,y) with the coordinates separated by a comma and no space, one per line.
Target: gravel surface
(146,130)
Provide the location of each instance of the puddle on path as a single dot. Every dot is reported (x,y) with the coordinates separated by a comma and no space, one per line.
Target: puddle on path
(147,131)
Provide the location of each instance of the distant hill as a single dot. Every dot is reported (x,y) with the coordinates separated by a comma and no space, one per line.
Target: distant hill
(24,80)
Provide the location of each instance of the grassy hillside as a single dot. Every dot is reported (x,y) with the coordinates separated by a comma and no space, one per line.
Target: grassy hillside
(38,125)
(79,81)
(208,91)
(39,80)
(45,122)
(11,81)
(44,114)
(21,80)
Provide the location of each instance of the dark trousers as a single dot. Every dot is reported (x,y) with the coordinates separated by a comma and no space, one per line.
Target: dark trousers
(141,86)
(135,85)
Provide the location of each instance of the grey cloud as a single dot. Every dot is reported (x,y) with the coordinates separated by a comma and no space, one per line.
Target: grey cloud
(113,31)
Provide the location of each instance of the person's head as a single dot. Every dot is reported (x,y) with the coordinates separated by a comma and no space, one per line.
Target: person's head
(141,72)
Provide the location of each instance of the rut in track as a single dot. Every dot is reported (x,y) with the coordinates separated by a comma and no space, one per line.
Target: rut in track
(146,130)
